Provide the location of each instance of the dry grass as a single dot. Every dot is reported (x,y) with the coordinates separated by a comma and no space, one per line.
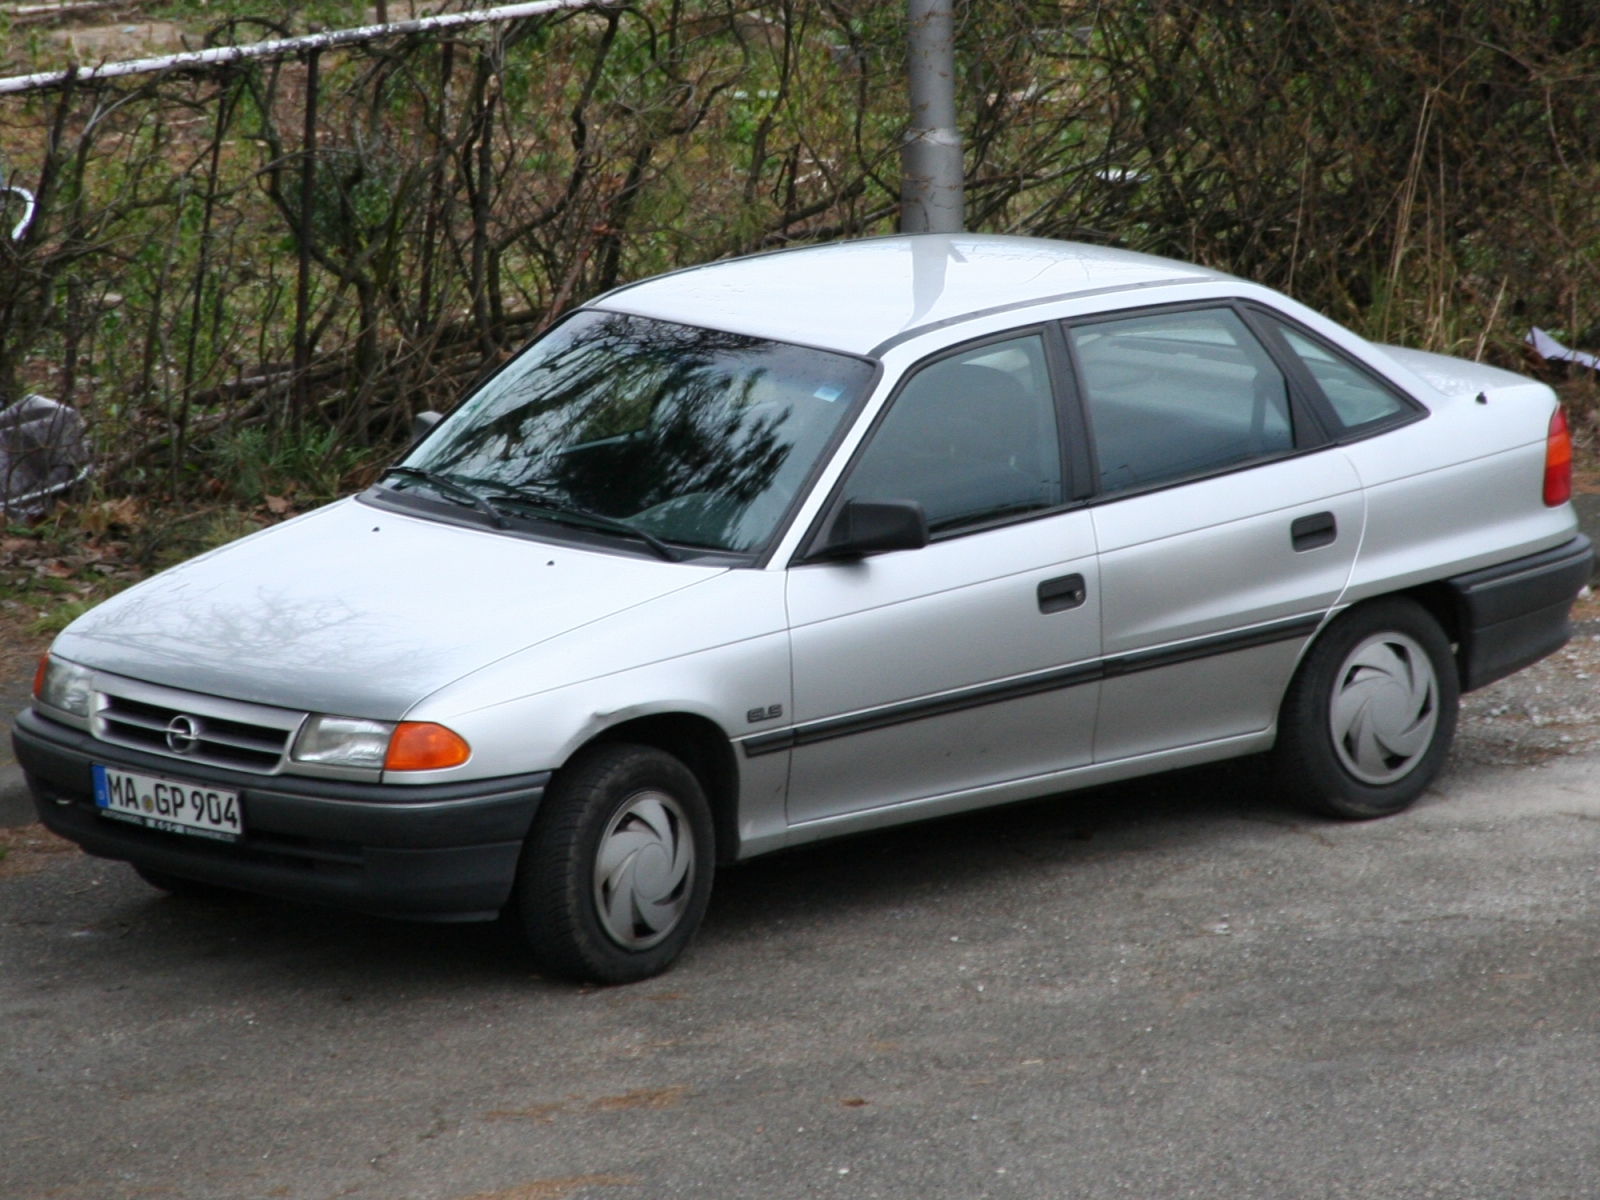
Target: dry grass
(27,849)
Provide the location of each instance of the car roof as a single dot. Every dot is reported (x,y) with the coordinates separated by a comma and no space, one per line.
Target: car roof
(855,296)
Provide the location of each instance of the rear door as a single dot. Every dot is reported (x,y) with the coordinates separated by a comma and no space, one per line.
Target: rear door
(1226,522)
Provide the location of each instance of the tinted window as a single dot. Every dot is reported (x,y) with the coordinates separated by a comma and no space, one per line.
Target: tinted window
(693,435)
(1356,397)
(1178,394)
(970,438)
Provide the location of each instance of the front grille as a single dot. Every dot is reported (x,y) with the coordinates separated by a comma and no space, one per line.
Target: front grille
(195,728)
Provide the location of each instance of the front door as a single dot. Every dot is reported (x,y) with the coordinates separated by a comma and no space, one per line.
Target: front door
(971,661)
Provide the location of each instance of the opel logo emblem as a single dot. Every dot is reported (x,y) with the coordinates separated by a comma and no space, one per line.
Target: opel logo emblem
(183,734)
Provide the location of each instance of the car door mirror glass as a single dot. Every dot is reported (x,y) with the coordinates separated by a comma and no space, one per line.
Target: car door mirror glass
(1178,394)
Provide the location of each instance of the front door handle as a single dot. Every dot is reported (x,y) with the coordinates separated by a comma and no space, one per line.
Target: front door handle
(1319,529)
(1062,592)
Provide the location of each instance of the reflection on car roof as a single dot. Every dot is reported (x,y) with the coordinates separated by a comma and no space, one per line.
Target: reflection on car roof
(853,296)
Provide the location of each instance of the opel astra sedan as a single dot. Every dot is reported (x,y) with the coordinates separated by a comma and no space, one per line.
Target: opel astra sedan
(793,546)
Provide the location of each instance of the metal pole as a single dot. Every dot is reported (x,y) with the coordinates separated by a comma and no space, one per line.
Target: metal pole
(302,295)
(930,158)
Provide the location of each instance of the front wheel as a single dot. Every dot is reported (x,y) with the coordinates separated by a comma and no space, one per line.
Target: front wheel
(1371,713)
(617,870)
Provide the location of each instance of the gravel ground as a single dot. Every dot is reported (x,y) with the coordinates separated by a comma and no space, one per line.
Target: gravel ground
(1549,709)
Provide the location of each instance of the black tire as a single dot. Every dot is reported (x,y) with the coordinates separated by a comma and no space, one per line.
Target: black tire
(1398,724)
(189,889)
(651,810)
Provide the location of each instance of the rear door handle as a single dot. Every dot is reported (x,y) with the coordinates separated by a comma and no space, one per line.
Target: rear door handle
(1062,592)
(1319,529)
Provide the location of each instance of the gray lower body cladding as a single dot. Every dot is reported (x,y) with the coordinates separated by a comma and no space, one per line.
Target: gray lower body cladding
(429,853)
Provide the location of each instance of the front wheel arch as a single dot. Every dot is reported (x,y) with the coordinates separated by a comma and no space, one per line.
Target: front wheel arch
(702,746)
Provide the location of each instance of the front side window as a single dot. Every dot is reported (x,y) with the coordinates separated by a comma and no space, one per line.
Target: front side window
(972,438)
(1178,394)
(1356,398)
(693,436)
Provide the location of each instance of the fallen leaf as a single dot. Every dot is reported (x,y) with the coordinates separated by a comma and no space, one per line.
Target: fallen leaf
(554,1189)
(123,513)
(543,1114)
(853,1102)
(666,1097)
(277,505)
(25,849)
(540,1113)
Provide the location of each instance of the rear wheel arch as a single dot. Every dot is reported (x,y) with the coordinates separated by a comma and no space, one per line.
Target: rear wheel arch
(1443,603)
(702,746)
(1306,758)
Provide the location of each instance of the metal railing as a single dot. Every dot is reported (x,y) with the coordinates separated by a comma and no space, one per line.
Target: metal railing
(309,44)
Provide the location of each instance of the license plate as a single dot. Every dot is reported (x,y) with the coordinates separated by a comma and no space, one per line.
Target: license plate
(167,804)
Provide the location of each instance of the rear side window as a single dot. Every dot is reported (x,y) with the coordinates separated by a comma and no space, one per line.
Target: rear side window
(1178,394)
(972,438)
(1357,399)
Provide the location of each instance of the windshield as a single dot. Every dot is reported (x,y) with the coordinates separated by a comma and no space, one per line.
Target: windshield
(695,436)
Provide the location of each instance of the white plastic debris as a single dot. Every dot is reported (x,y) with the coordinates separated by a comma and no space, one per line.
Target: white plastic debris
(1547,348)
(42,454)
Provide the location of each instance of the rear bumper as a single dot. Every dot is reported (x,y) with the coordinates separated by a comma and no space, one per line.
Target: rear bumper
(1517,613)
(443,852)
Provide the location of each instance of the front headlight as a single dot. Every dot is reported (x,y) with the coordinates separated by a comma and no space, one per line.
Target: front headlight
(343,742)
(65,686)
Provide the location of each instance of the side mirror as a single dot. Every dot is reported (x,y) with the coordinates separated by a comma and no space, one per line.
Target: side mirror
(873,526)
(422,424)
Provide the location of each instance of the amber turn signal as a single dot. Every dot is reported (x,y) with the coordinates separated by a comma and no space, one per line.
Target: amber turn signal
(424,746)
(38,673)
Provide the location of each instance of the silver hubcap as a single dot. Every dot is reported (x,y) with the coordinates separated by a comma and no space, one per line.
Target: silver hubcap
(644,871)
(1385,708)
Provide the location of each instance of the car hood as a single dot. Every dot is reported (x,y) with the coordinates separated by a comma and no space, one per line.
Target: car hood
(357,610)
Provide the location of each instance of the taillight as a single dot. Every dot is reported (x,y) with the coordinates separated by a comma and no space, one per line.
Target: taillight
(1557,462)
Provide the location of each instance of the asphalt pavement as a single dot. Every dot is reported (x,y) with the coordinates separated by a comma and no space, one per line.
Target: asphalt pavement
(1168,989)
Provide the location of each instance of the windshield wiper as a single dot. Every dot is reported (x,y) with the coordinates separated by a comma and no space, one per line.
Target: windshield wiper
(459,491)
(582,516)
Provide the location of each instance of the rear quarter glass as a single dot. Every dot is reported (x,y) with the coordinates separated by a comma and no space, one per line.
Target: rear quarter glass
(1358,400)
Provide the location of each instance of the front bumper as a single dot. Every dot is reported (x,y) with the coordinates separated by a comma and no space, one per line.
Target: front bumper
(438,852)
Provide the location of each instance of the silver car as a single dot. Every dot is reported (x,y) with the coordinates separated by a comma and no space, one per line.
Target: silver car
(793,546)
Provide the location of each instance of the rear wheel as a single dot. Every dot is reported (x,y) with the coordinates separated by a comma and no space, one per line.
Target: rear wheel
(617,871)
(1371,713)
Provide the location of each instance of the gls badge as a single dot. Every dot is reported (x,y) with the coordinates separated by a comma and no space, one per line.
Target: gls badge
(770,713)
